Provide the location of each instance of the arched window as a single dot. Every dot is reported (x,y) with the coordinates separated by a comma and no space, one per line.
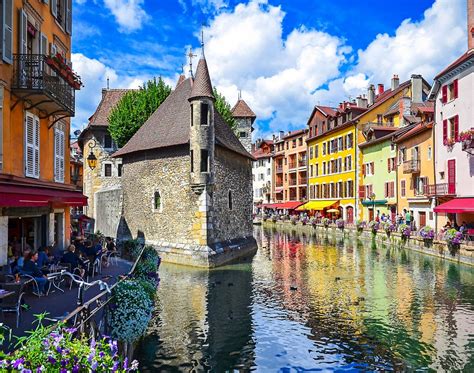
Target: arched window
(230,200)
(157,201)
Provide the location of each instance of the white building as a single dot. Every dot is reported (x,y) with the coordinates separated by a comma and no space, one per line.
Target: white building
(262,172)
(453,92)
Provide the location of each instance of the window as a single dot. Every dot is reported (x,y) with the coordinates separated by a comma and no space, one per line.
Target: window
(340,144)
(293,144)
(324,148)
(350,140)
(349,163)
(59,146)
(204,160)
(119,170)
(324,168)
(108,169)
(391,164)
(242,134)
(268,172)
(350,188)
(392,147)
(368,190)
(32,142)
(204,115)
(311,171)
(402,188)
(402,155)
(420,183)
(229,199)
(300,141)
(379,118)
(449,92)
(316,169)
(316,151)
(157,206)
(390,189)
(192,114)
(311,152)
(108,143)
(429,153)
(192,160)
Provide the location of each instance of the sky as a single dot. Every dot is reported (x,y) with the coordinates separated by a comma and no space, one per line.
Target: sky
(284,56)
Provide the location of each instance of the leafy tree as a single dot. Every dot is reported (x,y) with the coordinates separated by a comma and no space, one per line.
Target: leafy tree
(225,110)
(135,107)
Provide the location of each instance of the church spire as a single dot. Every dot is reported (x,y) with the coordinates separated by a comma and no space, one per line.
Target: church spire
(202,86)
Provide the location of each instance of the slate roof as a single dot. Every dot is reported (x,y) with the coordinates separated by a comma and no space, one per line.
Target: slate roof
(242,110)
(202,86)
(169,125)
(110,98)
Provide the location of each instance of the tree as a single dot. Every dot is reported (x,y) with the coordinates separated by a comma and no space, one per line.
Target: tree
(224,109)
(134,108)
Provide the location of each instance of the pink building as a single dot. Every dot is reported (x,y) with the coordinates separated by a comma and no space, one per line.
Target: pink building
(453,93)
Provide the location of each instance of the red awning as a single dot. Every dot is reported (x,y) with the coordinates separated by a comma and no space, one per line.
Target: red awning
(290,205)
(457,206)
(31,196)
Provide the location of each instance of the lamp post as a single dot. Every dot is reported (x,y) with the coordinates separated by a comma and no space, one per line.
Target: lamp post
(372,198)
(92,159)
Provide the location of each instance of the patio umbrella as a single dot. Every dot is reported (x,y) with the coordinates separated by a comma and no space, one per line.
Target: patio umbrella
(333,210)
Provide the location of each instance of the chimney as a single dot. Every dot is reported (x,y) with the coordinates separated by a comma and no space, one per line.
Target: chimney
(404,108)
(371,94)
(380,89)
(470,25)
(395,82)
(416,89)
(361,102)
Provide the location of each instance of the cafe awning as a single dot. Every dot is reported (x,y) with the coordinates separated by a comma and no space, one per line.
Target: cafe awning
(457,206)
(32,196)
(317,205)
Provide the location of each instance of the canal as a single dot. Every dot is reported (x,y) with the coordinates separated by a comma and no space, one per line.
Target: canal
(314,302)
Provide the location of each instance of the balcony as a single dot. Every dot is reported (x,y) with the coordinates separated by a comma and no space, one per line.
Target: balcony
(292,165)
(302,163)
(411,167)
(292,182)
(279,169)
(438,190)
(303,181)
(37,82)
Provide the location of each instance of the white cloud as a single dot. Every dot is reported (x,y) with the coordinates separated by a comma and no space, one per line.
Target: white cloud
(129,14)
(423,47)
(94,76)
(207,6)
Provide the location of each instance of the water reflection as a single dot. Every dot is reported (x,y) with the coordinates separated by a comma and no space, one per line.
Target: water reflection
(309,301)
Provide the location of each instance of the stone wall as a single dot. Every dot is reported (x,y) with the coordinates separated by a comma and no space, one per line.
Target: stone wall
(232,173)
(245,125)
(108,210)
(166,171)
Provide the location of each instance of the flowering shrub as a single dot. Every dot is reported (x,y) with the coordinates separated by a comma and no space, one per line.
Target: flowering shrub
(405,231)
(374,226)
(360,225)
(388,227)
(449,142)
(131,248)
(340,224)
(325,222)
(274,218)
(313,221)
(305,220)
(56,350)
(466,135)
(427,233)
(284,217)
(454,239)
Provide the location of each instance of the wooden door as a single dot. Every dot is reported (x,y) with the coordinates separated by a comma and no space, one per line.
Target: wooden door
(452,176)
(350,215)
(422,215)
(371,214)
(393,213)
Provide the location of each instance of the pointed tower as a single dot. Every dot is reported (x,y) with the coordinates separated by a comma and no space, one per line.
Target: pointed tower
(244,117)
(202,134)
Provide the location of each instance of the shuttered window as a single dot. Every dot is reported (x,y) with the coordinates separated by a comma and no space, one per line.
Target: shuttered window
(456,128)
(44,44)
(59,145)
(69,16)
(54,7)
(444,98)
(7,30)
(22,32)
(403,188)
(32,133)
(455,88)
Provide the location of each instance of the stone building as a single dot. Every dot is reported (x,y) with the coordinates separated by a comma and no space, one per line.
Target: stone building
(102,184)
(262,173)
(244,117)
(187,180)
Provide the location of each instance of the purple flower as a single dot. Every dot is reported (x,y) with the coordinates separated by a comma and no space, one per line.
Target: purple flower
(113,347)
(94,365)
(71,330)
(115,366)
(75,369)
(63,370)
(51,360)
(125,364)
(17,364)
(39,370)
(26,371)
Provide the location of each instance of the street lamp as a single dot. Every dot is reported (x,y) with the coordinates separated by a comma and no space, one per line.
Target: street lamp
(372,198)
(92,159)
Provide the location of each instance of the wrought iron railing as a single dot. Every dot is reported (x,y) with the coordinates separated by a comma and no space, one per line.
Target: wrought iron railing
(411,166)
(279,169)
(32,73)
(440,189)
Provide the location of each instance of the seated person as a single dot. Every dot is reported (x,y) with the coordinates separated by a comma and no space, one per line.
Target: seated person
(21,259)
(43,259)
(79,243)
(73,259)
(110,245)
(31,268)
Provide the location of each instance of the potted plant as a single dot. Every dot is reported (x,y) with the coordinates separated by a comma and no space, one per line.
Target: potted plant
(427,233)
(405,231)
(374,226)
(340,224)
(388,227)
(360,225)
(453,239)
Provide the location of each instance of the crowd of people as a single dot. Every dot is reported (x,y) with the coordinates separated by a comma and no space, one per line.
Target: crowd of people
(37,263)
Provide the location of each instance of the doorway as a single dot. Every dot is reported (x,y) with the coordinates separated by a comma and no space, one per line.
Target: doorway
(27,233)
(422,215)
(371,214)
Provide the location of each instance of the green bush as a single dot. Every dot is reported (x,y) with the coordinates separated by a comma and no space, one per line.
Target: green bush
(131,248)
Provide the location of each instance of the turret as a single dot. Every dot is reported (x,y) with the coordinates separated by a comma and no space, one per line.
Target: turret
(202,136)
(244,117)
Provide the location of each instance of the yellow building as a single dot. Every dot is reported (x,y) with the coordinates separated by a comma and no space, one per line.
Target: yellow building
(331,155)
(386,108)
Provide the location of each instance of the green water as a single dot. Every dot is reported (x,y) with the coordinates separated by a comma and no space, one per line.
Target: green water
(311,303)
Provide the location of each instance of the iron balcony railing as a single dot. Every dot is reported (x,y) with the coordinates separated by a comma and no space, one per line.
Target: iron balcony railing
(42,85)
(279,169)
(302,163)
(411,167)
(440,189)
(303,181)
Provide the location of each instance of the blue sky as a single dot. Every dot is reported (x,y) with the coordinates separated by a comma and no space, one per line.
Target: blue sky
(285,56)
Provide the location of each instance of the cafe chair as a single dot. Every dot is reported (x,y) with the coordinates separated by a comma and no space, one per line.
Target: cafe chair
(13,302)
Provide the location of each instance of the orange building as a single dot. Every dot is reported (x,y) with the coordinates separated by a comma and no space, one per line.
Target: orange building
(290,170)
(37,96)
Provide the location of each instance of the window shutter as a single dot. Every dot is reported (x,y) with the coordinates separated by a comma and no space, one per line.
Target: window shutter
(54,8)
(455,88)
(456,128)
(69,16)
(37,142)
(361,191)
(59,155)
(44,44)
(445,94)
(29,146)
(388,165)
(23,31)
(46,1)
(7,31)
(445,131)
(372,166)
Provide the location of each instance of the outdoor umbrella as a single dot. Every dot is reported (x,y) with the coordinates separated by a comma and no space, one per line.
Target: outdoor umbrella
(333,210)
